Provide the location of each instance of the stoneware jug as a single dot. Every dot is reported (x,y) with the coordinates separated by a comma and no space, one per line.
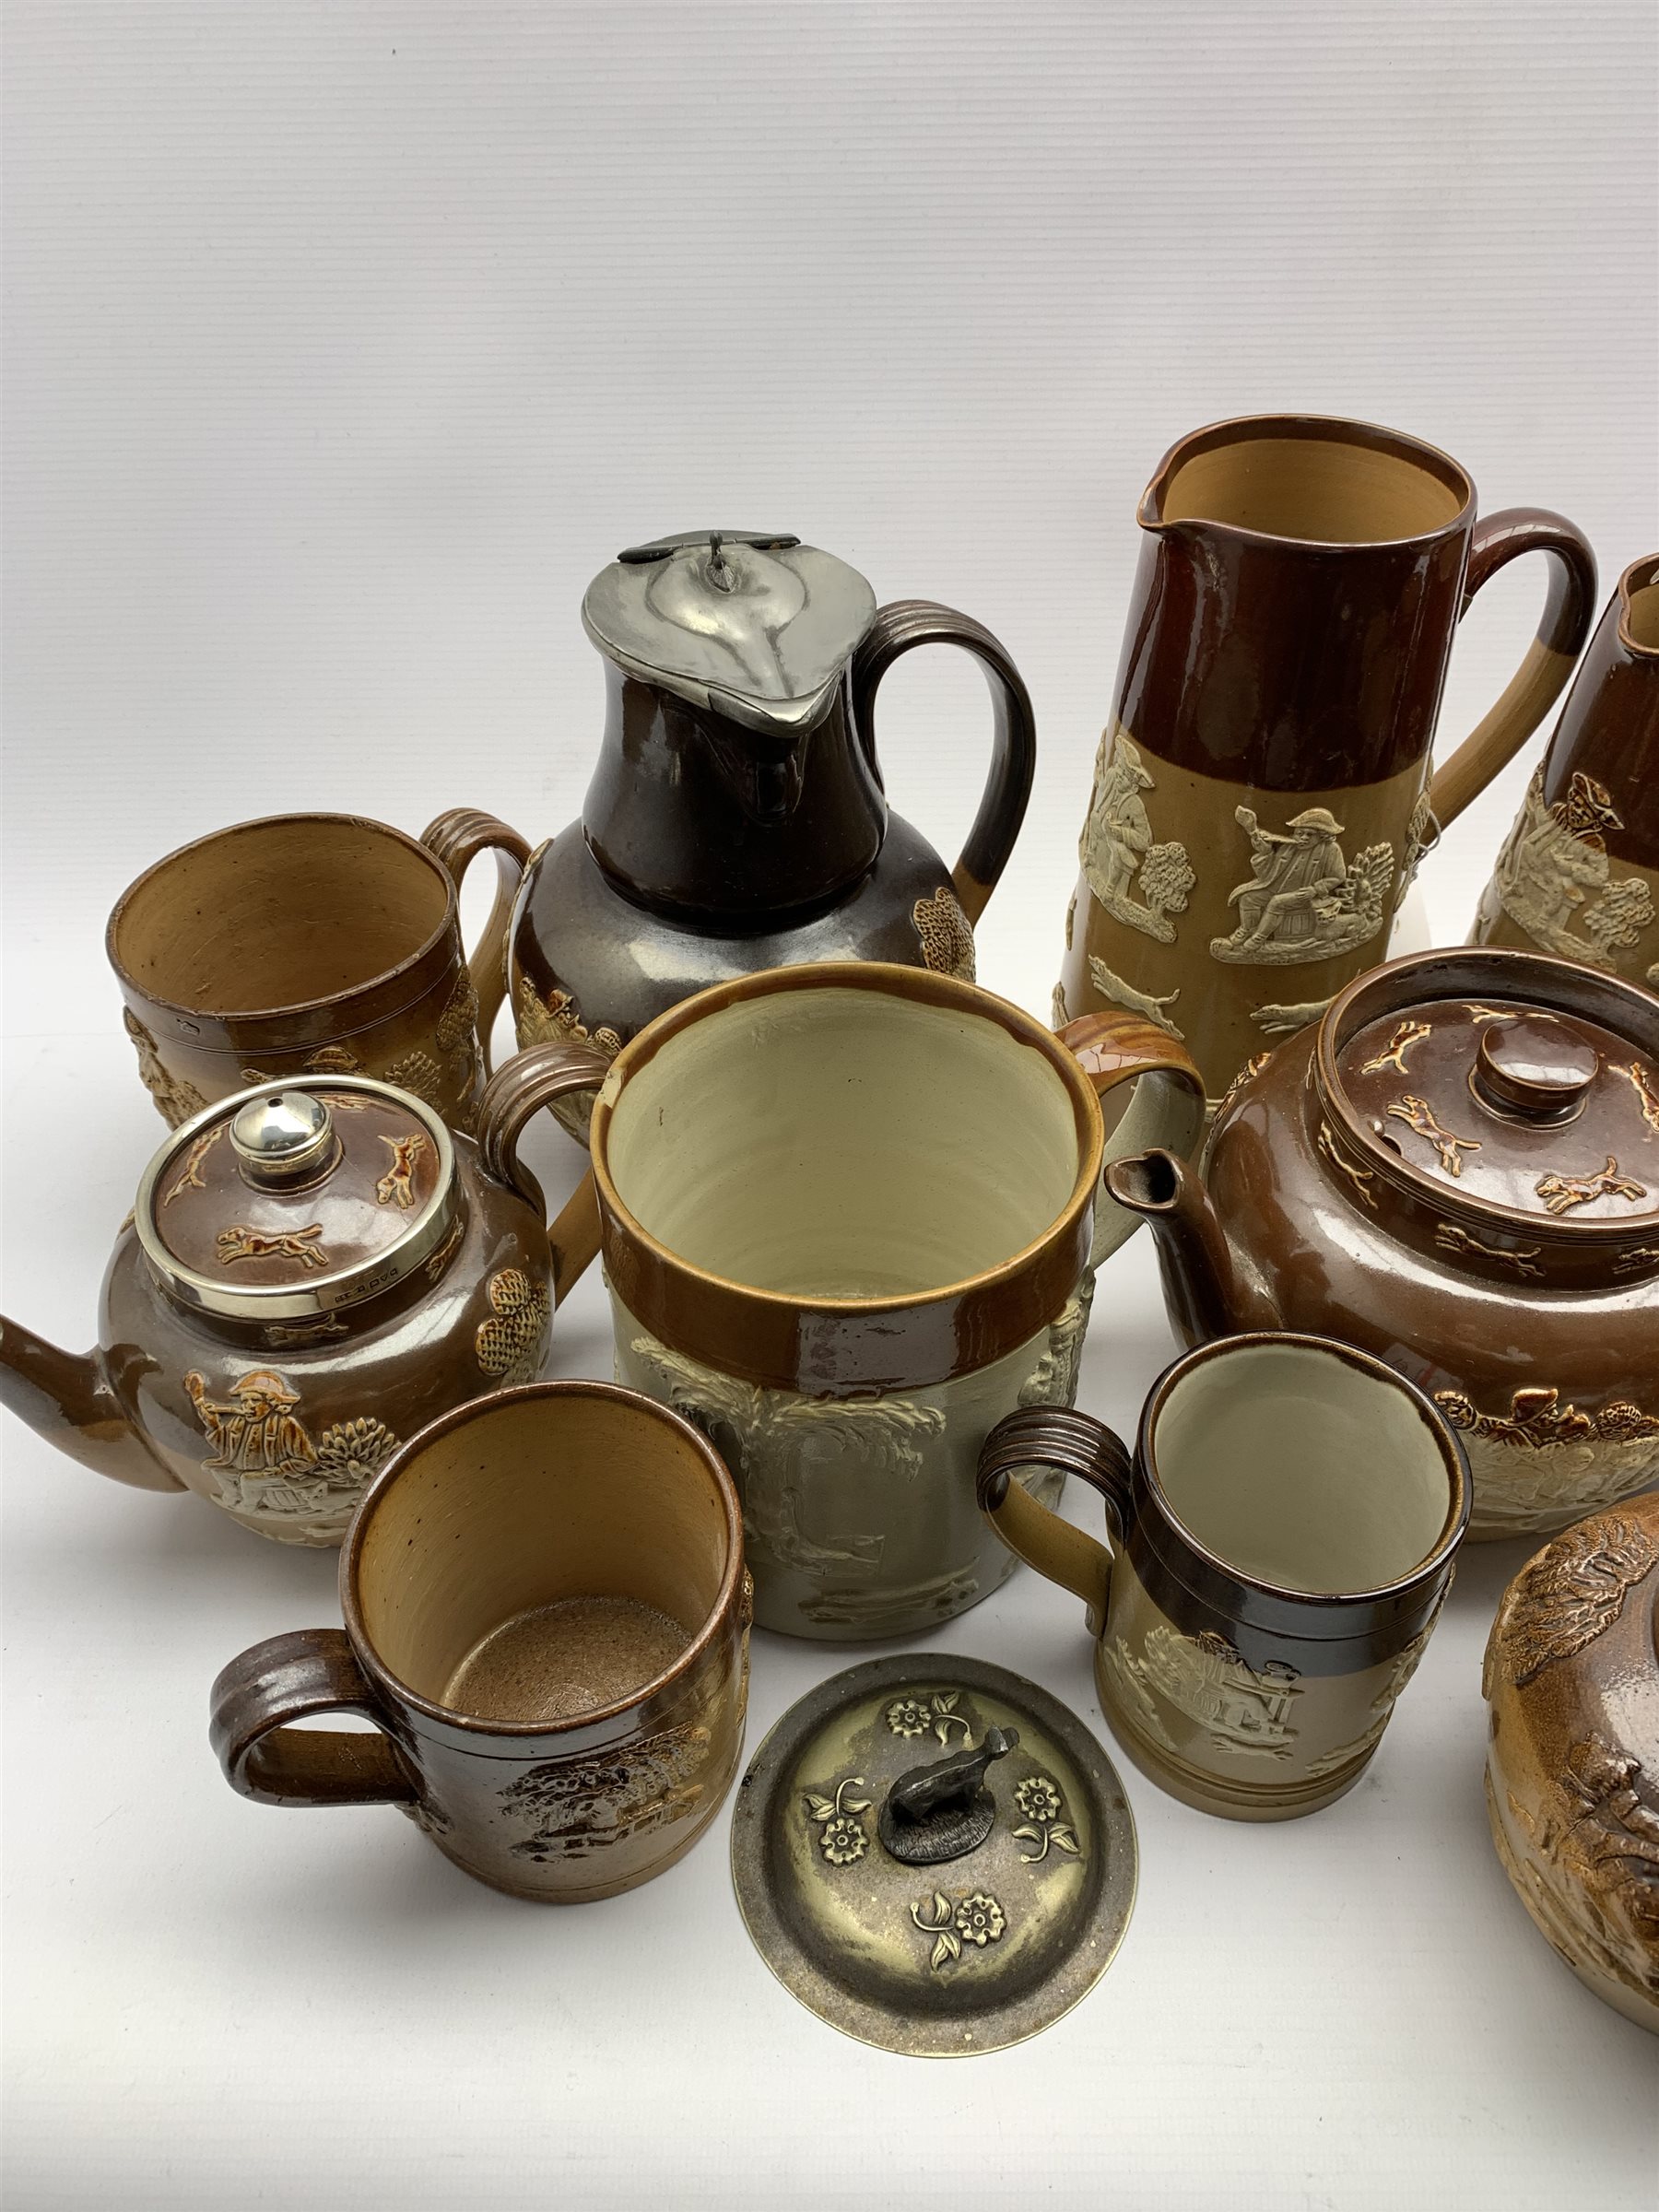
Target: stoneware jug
(1573,1763)
(1457,1169)
(736,819)
(1579,872)
(307,1277)
(1263,793)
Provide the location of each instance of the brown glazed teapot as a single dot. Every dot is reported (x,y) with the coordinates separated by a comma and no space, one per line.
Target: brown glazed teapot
(1456,1169)
(736,819)
(307,1278)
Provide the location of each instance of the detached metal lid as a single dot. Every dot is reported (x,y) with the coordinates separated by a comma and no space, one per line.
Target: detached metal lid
(756,628)
(934,1855)
(280,1203)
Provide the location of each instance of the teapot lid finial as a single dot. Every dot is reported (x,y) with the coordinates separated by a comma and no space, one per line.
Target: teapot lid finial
(283,1136)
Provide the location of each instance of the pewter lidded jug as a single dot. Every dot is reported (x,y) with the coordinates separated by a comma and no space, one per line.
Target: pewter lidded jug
(737,818)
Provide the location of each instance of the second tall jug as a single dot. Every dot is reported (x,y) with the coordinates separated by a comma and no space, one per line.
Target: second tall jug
(1263,793)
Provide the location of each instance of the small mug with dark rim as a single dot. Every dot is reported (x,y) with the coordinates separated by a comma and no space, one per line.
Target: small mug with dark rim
(1281,1541)
(307,945)
(546,1619)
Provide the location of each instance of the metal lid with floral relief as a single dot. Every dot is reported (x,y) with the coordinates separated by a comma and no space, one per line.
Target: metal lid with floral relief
(278,1203)
(934,1855)
(757,628)
(1523,1086)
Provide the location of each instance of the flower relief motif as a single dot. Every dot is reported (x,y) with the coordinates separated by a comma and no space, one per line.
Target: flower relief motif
(844,1837)
(915,1716)
(1038,1799)
(978,1919)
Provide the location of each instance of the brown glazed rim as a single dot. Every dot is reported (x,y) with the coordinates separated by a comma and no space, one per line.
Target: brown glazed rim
(1404,1586)
(1334,429)
(1539,981)
(300,1007)
(1641,576)
(517,1732)
(780,1309)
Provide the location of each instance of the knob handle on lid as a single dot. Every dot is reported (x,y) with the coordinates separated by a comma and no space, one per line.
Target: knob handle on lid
(942,1809)
(1534,1069)
(283,1136)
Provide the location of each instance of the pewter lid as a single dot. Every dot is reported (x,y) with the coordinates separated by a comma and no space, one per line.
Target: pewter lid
(281,1203)
(934,1855)
(759,629)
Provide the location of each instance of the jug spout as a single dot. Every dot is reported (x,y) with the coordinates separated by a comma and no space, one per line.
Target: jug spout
(67,1398)
(1207,1293)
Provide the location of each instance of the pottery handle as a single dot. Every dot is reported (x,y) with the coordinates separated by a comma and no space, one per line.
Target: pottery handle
(1074,1443)
(512,1097)
(1166,1111)
(1569,612)
(457,838)
(899,628)
(289,1678)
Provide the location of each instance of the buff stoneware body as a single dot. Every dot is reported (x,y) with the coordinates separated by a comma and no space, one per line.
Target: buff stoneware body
(848,1221)
(1456,1168)
(1264,793)
(1282,1539)
(307,1276)
(736,819)
(547,1620)
(306,945)
(1579,872)
(1572,1762)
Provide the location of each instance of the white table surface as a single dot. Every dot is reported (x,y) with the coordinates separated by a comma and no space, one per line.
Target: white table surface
(344,344)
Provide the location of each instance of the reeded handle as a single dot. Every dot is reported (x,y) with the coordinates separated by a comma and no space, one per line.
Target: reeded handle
(897,630)
(1075,1443)
(457,838)
(512,1097)
(1167,1111)
(1569,612)
(289,1678)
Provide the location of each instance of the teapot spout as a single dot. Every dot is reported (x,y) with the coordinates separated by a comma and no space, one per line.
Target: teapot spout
(1205,1292)
(67,1398)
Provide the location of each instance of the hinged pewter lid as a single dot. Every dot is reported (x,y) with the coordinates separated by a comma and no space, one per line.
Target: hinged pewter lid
(1540,1103)
(759,629)
(934,1855)
(287,1201)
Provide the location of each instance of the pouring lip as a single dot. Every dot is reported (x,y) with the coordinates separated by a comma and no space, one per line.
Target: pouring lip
(1236,429)
(1641,576)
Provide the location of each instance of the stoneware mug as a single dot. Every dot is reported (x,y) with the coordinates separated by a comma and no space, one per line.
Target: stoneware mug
(306,945)
(1281,1541)
(546,1618)
(848,1216)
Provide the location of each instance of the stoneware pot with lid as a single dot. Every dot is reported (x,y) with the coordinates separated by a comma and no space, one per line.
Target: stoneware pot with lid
(307,1278)
(737,818)
(1457,1169)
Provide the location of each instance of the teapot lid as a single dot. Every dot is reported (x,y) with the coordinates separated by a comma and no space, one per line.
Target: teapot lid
(934,1855)
(1532,1089)
(757,628)
(279,1203)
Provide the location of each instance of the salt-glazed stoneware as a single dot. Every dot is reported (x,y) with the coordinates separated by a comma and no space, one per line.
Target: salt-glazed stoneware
(1579,872)
(1572,1764)
(849,1218)
(737,818)
(1282,1542)
(546,1619)
(1458,1169)
(308,1277)
(306,945)
(1264,790)
(934,1855)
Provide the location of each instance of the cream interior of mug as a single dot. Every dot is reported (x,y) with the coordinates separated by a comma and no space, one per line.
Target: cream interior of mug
(1335,490)
(276,913)
(1300,1470)
(844,1143)
(545,1556)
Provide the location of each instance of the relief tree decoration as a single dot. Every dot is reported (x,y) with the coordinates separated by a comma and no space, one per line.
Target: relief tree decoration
(946,933)
(1304,900)
(1572,1592)
(512,1343)
(1554,877)
(1117,845)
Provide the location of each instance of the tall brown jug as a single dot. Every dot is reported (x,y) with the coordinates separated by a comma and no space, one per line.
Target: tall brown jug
(1263,793)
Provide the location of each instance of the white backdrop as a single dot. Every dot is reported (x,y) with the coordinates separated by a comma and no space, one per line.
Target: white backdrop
(342,344)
